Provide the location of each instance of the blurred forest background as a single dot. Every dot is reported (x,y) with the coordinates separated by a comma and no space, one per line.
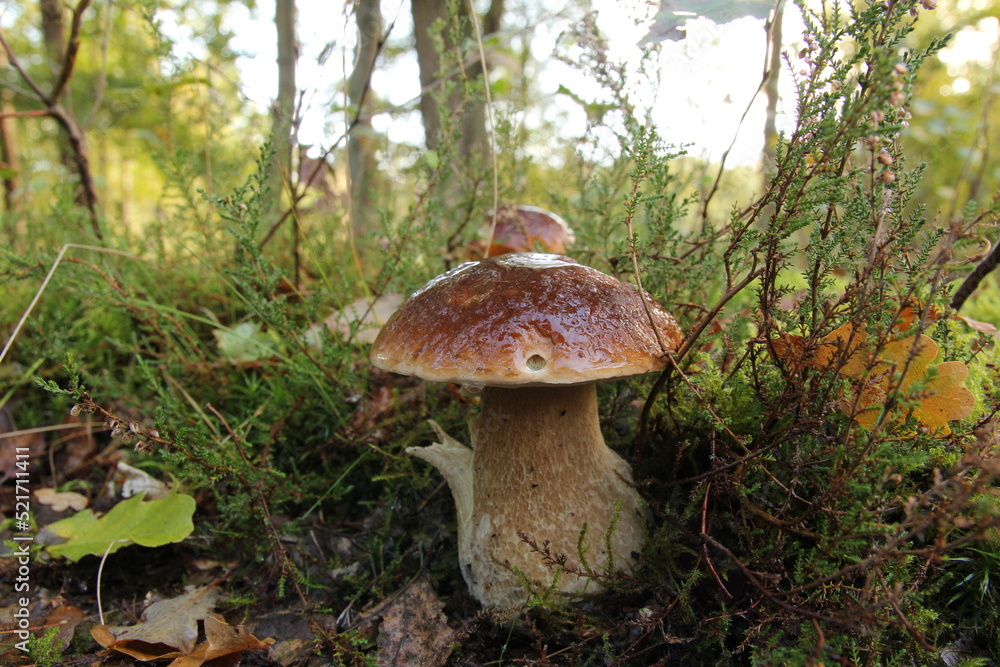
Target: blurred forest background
(180,212)
(135,107)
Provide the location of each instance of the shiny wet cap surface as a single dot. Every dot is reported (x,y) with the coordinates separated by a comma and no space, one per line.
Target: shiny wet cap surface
(524,319)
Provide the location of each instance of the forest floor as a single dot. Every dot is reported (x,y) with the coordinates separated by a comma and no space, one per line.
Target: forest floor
(379,583)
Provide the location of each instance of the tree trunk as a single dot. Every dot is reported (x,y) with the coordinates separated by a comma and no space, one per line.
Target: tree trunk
(361,142)
(474,140)
(54,36)
(8,147)
(62,57)
(475,137)
(425,13)
(283,109)
(771,90)
(53,32)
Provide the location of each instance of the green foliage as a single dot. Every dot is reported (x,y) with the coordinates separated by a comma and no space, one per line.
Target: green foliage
(45,649)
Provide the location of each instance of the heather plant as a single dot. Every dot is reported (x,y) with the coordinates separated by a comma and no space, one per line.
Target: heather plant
(804,519)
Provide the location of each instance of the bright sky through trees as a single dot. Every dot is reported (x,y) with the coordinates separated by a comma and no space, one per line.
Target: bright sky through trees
(697,93)
(705,81)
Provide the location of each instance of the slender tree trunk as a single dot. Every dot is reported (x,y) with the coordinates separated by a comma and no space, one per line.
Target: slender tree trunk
(475,137)
(62,58)
(361,142)
(474,140)
(425,13)
(53,32)
(54,36)
(8,147)
(284,123)
(771,90)
(284,104)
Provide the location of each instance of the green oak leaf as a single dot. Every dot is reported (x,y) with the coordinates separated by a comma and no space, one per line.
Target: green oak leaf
(132,521)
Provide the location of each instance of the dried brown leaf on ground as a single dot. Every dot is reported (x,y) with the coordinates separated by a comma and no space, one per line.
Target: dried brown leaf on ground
(982,327)
(135,481)
(222,647)
(939,389)
(414,631)
(169,631)
(169,628)
(296,629)
(225,640)
(841,344)
(77,444)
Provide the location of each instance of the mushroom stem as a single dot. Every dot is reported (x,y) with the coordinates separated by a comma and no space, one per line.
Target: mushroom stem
(541,468)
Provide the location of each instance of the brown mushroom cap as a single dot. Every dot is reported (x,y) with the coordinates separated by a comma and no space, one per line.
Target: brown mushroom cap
(525,319)
(523,229)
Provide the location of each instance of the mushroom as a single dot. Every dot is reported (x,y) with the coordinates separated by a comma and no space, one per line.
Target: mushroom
(518,229)
(522,229)
(536,332)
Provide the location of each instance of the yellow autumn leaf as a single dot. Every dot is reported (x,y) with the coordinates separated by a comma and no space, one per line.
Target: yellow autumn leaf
(843,343)
(869,406)
(939,389)
(942,395)
(793,351)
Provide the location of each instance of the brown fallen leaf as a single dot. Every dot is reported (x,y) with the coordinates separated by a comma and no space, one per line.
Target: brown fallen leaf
(136,481)
(222,646)
(169,628)
(65,617)
(941,396)
(414,631)
(77,446)
(792,351)
(913,313)
(840,345)
(224,639)
(364,316)
(981,327)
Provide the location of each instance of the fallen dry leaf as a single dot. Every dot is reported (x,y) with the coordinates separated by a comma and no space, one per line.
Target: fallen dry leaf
(981,327)
(843,349)
(843,343)
(911,314)
(414,631)
(224,639)
(77,446)
(14,442)
(222,646)
(791,350)
(60,501)
(135,481)
(169,628)
(939,389)
(365,316)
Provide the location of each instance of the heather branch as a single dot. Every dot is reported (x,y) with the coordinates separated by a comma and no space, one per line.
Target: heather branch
(63,116)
